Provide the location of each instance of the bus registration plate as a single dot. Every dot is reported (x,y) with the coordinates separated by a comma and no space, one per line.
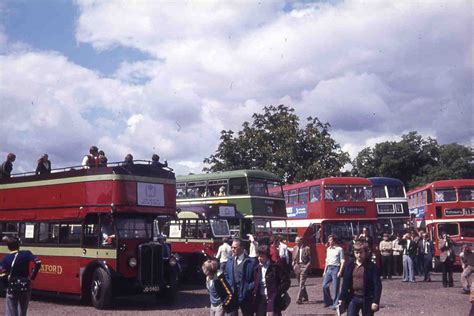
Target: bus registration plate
(151,289)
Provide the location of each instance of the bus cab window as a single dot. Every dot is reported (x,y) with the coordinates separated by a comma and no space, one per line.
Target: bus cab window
(8,229)
(107,231)
(70,234)
(451,229)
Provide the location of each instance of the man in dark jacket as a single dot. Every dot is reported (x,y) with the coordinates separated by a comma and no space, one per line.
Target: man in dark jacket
(409,252)
(426,250)
(239,274)
(361,285)
(7,166)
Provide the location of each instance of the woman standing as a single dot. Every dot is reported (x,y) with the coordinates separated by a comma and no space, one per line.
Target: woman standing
(15,269)
(44,165)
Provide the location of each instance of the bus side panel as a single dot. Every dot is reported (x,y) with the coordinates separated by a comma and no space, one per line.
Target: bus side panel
(58,274)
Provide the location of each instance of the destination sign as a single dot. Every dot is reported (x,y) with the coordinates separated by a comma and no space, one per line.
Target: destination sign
(350,210)
(458,211)
(385,209)
(297,212)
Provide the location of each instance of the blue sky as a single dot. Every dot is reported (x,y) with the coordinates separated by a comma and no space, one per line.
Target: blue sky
(167,77)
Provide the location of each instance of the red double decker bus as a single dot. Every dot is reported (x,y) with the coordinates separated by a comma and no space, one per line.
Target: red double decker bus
(445,206)
(340,206)
(95,230)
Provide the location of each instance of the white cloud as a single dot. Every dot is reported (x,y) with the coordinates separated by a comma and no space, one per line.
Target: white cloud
(374,70)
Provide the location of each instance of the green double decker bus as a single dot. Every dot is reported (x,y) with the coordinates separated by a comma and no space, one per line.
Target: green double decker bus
(257,194)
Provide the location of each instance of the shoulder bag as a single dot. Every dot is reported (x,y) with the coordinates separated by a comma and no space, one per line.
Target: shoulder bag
(17,285)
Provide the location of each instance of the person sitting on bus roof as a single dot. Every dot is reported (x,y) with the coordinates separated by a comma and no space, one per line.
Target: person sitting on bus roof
(128,161)
(44,165)
(90,160)
(7,166)
(155,162)
(102,159)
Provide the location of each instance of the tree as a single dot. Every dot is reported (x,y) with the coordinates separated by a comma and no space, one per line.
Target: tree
(415,160)
(276,143)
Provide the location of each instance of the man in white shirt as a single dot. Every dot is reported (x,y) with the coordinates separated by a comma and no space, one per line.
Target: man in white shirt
(332,272)
(223,253)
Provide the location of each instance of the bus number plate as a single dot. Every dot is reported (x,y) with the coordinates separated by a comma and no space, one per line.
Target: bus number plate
(151,289)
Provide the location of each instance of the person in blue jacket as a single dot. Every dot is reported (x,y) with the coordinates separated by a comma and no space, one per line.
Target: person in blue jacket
(361,285)
(239,274)
(16,265)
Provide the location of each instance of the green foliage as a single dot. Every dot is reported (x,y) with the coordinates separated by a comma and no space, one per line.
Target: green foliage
(415,160)
(275,142)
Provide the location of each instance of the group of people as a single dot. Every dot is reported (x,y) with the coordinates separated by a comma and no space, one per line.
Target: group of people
(95,158)
(254,285)
(260,286)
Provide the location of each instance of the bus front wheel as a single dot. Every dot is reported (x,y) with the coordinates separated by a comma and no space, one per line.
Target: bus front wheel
(101,289)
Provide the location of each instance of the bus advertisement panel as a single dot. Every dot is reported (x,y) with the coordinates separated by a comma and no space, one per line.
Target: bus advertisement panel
(330,206)
(392,207)
(94,230)
(445,207)
(257,195)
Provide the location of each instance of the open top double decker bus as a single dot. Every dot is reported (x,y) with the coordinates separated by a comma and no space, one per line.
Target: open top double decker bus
(198,231)
(392,207)
(95,230)
(445,207)
(340,206)
(257,195)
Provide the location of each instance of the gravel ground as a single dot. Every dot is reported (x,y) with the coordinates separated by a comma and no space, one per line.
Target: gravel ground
(398,298)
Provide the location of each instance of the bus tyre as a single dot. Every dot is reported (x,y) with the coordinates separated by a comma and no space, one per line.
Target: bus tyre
(101,289)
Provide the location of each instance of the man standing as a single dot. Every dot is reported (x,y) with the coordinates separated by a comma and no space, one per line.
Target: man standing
(361,286)
(409,253)
(7,166)
(386,256)
(426,249)
(332,272)
(397,256)
(239,274)
(223,253)
(301,263)
(446,257)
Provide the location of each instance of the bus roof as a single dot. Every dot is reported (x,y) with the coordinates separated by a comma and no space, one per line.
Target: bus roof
(325,181)
(228,174)
(382,181)
(444,184)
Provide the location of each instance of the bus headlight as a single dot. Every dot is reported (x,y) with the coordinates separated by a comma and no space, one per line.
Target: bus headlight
(132,262)
(172,261)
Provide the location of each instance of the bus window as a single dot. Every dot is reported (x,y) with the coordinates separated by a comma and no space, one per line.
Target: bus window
(317,233)
(258,187)
(359,193)
(197,189)
(180,190)
(303,195)
(28,232)
(466,194)
(467,229)
(445,195)
(90,231)
(238,186)
(190,229)
(315,193)
(336,193)
(8,229)
(133,227)
(286,196)
(395,191)
(174,230)
(274,188)
(451,229)
(204,229)
(217,187)
(429,197)
(48,233)
(379,192)
(293,196)
(220,228)
(70,234)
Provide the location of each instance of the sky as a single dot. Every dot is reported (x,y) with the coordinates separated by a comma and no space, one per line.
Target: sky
(166,77)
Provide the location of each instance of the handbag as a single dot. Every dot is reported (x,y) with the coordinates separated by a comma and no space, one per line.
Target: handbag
(17,285)
(283,301)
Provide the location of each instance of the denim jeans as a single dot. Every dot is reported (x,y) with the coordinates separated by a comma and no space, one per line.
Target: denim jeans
(408,273)
(357,304)
(331,277)
(17,305)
